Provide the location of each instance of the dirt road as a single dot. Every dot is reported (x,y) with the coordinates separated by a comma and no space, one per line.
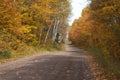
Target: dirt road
(71,64)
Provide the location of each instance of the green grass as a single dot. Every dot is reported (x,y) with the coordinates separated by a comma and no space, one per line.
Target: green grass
(5,54)
(110,64)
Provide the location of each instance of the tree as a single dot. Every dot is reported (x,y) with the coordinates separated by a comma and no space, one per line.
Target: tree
(99,27)
(26,23)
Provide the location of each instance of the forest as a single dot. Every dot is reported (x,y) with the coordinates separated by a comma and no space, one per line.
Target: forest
(25,24)
(98,29)
(30,26)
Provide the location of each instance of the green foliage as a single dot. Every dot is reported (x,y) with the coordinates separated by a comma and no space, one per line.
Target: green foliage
(5,54)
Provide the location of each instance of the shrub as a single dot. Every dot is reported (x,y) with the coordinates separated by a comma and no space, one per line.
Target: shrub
(5,54)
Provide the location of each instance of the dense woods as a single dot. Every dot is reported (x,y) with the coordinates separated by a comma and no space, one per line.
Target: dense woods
(98,32)
(99,27)
(31,23)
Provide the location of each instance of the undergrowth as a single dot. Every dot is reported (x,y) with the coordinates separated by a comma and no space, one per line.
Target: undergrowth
(110,64)
(5,54)
(29,51)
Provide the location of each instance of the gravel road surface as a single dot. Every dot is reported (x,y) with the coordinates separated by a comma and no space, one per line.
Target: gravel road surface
(71,64)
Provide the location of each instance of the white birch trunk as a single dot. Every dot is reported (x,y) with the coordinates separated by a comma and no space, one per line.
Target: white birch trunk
(48,32)
(53,35)
(55,30)
(40,35)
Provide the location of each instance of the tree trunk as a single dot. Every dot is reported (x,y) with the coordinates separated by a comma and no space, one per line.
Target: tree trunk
(55,29)
(48,31)
(40,35)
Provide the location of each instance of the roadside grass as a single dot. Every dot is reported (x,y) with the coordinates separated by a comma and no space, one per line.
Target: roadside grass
(110,65)
(7,55)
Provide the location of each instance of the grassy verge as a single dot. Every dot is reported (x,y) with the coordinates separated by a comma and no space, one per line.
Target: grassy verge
(111,66)
(7,55)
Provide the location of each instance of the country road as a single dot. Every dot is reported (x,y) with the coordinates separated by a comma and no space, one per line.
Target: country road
(71,64)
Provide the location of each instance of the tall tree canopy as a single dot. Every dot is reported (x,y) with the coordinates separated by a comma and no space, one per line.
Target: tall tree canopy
(32,22)
(99,27)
